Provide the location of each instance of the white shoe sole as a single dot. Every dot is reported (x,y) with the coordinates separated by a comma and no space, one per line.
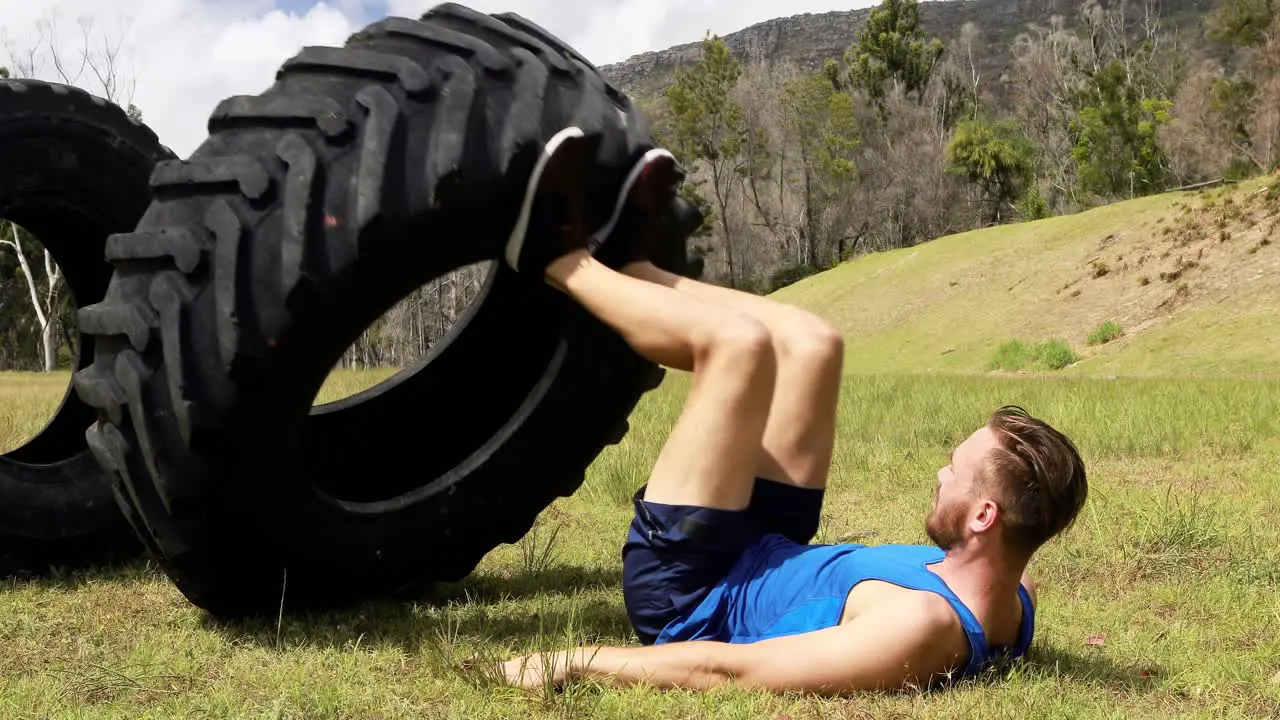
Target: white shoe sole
(516,242)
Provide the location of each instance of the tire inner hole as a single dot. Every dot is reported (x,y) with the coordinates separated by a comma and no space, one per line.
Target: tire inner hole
(40,346)
(429,385)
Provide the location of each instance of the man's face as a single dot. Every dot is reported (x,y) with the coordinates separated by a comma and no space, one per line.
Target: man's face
(957,503)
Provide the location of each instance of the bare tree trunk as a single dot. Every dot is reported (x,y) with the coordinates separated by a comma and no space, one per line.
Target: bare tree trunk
(49,345)
(722,200)
(50,339)
(782,175)
(975,79)
(810,229)
(44,312)
(751,192)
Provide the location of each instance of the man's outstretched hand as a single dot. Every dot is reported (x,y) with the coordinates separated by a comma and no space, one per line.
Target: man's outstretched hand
(530,671)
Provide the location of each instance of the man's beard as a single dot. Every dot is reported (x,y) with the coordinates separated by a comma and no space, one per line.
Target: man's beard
(945,525)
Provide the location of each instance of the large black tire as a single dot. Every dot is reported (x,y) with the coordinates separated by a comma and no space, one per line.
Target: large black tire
(73,170)
(361,174)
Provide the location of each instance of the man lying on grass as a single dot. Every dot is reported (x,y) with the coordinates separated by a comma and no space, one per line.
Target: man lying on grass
(719,578)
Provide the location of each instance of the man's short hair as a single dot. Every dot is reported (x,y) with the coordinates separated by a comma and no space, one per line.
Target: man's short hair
(1038,476)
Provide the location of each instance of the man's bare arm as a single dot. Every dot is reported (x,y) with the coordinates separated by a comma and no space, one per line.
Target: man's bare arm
(890,647)
(683,664)
(887,648)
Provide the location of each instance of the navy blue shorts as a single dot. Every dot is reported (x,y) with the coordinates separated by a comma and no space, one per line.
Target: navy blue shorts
(675,554)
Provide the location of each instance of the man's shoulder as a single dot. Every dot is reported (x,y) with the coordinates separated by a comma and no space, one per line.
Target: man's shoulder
(929,623)
(931,611)
(924,629)
(916,603)
(921,613)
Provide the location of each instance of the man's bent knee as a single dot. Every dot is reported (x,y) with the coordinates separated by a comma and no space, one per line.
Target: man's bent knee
(813,341)
(742,343)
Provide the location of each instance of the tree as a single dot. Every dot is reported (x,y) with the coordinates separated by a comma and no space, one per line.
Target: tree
(1117,151)
(46,310)
(1249,102)
(1205,126)
(707,127)
(416,323)
(763,160)
(96,65)
(1093,100)
(1046,91)
(1241,22)
(995,156)
(820,120)
(892,51)
(1266,109)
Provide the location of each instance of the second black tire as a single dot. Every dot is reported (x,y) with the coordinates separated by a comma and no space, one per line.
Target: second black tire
(73,170)
(362,173)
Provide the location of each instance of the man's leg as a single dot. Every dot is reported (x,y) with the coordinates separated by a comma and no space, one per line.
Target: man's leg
(710,457)
(794,457)
(799,437)
(693,518)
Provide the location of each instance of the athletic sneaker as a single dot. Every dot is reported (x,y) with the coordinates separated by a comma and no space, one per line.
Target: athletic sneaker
(553,211)
(649,221)
(649,187)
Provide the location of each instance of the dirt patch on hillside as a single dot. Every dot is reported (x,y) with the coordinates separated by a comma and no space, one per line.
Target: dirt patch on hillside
(1211,246)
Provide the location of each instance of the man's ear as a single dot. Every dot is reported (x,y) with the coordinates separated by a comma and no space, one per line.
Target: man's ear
(988,514)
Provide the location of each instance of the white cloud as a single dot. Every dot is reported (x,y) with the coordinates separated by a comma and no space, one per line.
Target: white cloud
(188,55)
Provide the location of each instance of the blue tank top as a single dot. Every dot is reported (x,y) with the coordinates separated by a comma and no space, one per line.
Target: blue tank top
(781,588)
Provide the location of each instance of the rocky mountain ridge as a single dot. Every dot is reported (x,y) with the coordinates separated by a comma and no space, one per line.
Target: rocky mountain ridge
(809,39)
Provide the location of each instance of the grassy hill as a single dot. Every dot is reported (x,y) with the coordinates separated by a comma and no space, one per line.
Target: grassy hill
(1192,278)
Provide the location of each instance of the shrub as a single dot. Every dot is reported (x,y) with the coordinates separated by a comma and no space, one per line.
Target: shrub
(1017,355)
(1032,205)
(790,274)
(1105,333)
(1054,354)
(1013,355)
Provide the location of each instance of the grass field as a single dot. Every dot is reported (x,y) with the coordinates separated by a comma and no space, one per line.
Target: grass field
(1162,602)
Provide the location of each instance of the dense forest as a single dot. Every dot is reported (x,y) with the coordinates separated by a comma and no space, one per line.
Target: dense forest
(901,139)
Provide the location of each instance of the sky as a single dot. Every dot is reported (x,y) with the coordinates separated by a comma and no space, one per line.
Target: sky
(186,56)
